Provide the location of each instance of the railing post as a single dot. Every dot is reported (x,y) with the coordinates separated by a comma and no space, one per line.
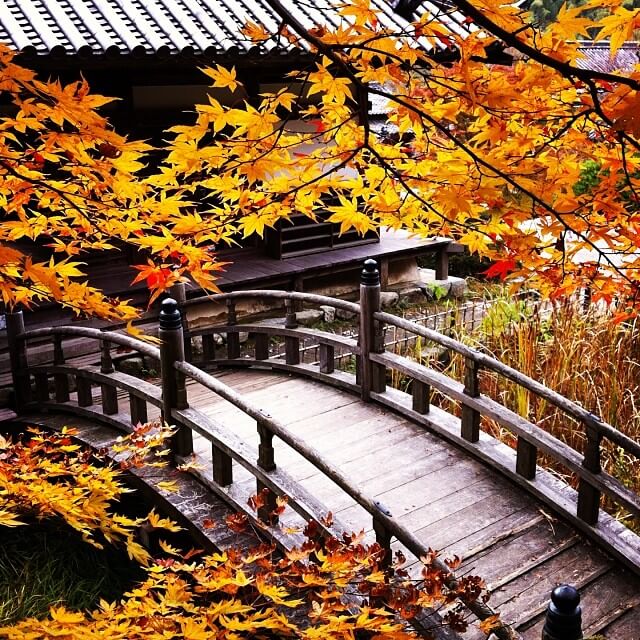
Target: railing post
(383,535)
(60,380)
(266,461)
(233,337)
(421,396)
(564,615)
(108,392)
(18,359)
(526,459)
(291,343)
(179,293)
(588,495)
(222,465)
(370,376)
(471,417)
(261,346)
(327,358)
(208,347)
(85,395)
(174,390)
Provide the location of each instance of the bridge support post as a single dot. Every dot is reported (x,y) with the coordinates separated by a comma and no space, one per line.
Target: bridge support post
(564,615)
(18,359)
(372,375)
(174,390)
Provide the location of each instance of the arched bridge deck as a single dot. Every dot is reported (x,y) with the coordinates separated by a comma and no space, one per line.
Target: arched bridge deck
(448,500)
(405,472)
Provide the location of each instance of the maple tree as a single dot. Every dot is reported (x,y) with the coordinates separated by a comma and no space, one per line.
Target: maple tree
(493,155)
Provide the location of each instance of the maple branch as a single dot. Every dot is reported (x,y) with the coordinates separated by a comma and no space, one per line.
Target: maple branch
(597,105)
(505,176)
(564,68)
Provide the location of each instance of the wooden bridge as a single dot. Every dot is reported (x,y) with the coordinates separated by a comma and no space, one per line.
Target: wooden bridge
(390,463)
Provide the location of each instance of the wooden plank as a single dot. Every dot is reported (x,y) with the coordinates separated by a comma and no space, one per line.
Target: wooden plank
(514,556)
(526,597)
(373,475)
(461,531)
(604,602)
(627,627)
(483,493)
(428,498)
(359,440)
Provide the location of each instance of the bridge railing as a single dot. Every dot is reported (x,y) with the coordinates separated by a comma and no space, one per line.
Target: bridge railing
(47,387)
(522,465)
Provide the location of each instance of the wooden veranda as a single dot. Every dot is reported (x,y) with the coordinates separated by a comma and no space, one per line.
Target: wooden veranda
(390,463)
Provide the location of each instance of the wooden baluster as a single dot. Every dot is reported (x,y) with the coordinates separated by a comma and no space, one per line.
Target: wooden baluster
(18,358)
(208,347)
(266,461)
(83,386)
(526,457)
(470,422)
(174,390)
(327,358)
(108,391)
(588,495)
(421,393)
(222,466)
(233,337)
(61,380)
(262,346)
(383,535)
(291,343)
(42,386)
(369,304)
(137,409)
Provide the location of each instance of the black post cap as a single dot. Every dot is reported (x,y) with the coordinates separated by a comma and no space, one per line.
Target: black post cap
(169,317)
(370,275)
(564,615)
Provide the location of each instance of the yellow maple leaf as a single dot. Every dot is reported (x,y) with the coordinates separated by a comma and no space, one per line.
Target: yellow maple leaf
(171,486)
(222,77)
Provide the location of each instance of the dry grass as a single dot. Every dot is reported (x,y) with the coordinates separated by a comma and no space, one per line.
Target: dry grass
(582,355)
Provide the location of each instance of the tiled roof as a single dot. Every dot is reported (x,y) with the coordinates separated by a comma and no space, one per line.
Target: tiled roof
(90,27)
(597,57)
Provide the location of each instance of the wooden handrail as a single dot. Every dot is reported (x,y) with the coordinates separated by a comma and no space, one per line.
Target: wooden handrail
(323,337)
(515,423)
(487,362)
(274,294)
(96,334)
